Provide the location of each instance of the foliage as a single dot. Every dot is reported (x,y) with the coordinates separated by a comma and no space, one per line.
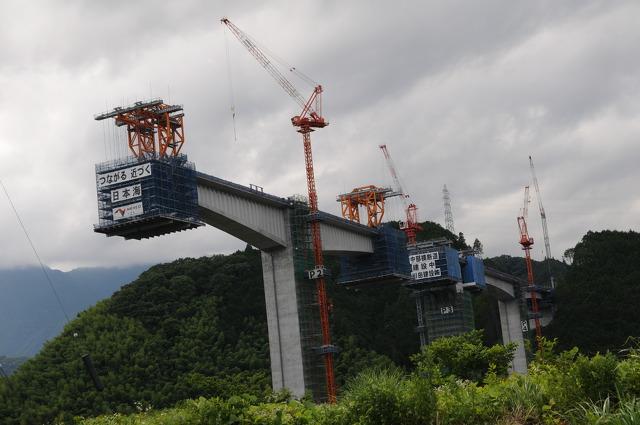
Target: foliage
(177,321)
(387,396)
(563,388)
(10,363)
(596,301)
(517,266)
(238,409)
(463,357)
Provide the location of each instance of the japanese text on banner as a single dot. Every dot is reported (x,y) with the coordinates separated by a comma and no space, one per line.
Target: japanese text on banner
(124,175)
(126,193)
(423,266)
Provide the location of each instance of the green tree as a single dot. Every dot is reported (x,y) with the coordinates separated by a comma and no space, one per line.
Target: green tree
(596,302)
(465,357)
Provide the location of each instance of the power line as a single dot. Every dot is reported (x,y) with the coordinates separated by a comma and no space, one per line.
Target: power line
(44,270)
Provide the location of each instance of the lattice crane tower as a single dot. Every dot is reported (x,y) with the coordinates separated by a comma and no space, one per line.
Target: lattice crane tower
(309,119)
(526,241)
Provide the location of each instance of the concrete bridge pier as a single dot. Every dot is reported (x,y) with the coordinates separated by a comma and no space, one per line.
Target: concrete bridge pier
(283,320)
(502,288)
(512,332)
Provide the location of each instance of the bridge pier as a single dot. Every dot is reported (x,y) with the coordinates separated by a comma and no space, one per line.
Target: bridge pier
(283,320)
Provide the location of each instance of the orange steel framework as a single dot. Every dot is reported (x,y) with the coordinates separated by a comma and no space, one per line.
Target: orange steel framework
(309,118)
(371,197)
(145,121)
(526,243)
(410,226)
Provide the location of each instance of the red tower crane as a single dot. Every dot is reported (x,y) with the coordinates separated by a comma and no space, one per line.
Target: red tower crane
(410,226)
(309,119)
(526,243)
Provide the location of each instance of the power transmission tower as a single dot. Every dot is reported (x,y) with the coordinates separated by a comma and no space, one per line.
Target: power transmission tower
(448,217)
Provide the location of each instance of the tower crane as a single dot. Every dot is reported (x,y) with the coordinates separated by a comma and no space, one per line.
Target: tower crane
(526,243)
(543,217)
(410,226)
(306,122)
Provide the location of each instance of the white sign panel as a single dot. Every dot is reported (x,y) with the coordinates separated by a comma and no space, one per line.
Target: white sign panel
(126,193)
(315,273)
(446,310)
(127,211)
(124,175)
(423,266)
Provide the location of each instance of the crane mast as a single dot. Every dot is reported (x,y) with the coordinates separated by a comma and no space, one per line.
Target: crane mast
(309,118)
(543,217)
(410,226)
(526,243)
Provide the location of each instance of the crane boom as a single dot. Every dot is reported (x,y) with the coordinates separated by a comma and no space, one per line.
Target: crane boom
(543,217)
(311,107)
(309,118)
(410,226)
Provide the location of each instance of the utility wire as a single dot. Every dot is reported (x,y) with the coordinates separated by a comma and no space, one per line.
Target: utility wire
(231,100)
(44,270)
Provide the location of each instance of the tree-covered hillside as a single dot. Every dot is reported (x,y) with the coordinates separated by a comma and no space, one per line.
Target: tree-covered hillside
(197,328)
(190,328)
(542,270)
(597,303)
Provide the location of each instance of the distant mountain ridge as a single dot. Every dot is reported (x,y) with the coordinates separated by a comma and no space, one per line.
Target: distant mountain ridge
(29,311)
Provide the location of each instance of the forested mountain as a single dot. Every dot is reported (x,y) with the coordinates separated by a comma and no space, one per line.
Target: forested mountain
(597,303)
(183,329)
(29,311)
(517,266)
(197,327)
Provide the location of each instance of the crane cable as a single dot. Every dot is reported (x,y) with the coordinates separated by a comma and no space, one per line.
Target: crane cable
(231,100)
(24,229)
(85,357)
(269,53)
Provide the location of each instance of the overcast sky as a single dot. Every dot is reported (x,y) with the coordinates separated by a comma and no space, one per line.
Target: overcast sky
(461,92)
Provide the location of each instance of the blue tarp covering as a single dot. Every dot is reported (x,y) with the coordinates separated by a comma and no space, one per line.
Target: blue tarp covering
(389,257)
(473,271)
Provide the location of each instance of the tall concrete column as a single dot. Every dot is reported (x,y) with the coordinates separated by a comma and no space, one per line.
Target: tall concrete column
(285,346)
(512,332)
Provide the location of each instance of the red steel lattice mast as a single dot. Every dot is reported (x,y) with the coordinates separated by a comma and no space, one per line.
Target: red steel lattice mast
(309,119)
(526,243)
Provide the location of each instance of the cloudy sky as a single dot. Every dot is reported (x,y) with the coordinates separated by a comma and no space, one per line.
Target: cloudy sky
(461,92)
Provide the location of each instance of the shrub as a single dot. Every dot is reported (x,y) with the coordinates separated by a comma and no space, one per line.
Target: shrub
(463,356)
(597,377)
(383,396)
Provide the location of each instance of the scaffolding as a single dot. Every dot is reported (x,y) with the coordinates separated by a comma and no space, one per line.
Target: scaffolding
(443,306)
(307,296)
(445,312)
(142,199)
(388,264)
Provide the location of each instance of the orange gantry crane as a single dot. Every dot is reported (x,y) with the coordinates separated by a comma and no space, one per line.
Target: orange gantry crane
(526,243)
(371,198)
(306,122)
(410,226)
(147,121)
